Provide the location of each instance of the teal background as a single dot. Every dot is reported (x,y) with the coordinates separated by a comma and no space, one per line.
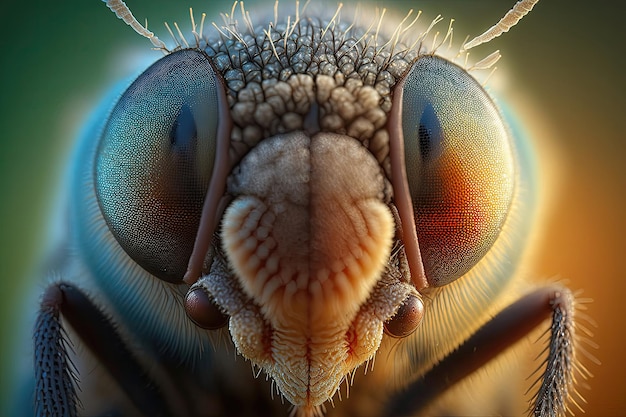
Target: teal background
(565,67)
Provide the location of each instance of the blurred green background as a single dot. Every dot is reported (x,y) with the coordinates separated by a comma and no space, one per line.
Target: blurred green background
(564,67)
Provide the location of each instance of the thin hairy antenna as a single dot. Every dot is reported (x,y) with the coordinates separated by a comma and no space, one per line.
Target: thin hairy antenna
(509,20)
(122,11)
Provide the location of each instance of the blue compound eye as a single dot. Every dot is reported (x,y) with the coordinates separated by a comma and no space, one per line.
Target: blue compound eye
(155,159)
(459,164)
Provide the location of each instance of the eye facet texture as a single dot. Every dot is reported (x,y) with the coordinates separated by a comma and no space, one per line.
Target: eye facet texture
(155,159)
(459,165)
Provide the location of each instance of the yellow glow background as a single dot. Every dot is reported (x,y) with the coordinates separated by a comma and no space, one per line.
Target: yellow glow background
(562,71)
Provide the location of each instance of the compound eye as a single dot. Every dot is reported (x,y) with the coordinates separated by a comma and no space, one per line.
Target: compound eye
(155,159)
(459,164)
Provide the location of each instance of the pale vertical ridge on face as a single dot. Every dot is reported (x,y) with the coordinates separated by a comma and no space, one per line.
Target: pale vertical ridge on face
(347,86)
(308,236)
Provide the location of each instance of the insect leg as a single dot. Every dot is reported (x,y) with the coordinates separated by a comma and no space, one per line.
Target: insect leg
(500,333)
(56,378)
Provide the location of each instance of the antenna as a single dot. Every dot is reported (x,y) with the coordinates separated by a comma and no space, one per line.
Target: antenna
(509,20)
(122,11)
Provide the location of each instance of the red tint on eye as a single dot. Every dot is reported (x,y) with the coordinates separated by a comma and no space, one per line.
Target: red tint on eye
(457,216)
(459,167)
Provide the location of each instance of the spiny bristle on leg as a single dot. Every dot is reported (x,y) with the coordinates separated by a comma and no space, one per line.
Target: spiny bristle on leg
(560,375)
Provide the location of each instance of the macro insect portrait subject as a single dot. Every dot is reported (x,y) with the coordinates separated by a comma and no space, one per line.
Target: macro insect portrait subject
(325,195)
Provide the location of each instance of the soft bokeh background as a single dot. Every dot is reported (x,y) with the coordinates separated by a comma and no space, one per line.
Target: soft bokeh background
(564,74)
